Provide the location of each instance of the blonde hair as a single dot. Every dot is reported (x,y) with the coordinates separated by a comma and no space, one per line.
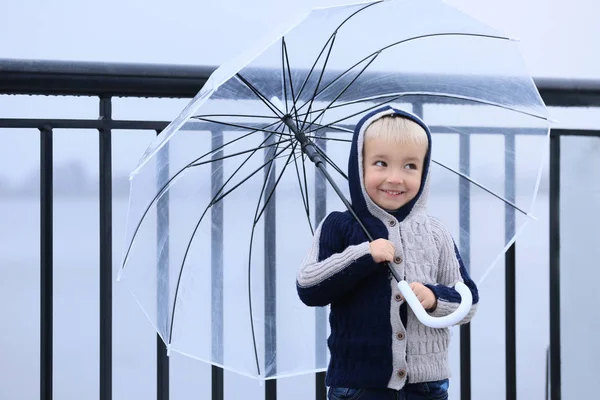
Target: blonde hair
(397,130)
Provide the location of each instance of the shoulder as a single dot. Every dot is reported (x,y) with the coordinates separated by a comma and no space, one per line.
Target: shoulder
(440,233)
(337,221)
(333,234)
(333,220)
(333,225)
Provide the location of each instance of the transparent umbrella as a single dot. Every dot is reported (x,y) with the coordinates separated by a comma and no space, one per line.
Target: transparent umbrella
(224,203)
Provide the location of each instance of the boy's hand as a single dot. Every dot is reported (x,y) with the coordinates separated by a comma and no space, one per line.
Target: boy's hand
(424,294)
(381,250)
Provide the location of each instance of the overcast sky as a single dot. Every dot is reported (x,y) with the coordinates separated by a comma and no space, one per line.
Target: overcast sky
(556,38)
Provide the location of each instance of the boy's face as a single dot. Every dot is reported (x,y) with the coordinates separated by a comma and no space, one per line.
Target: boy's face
(392,171)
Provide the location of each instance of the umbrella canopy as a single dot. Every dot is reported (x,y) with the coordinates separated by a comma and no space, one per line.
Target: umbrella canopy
(224,203)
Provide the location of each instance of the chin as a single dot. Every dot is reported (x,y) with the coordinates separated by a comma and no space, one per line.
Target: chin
(392,207)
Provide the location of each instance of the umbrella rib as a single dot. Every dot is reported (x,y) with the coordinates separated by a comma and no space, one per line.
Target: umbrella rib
(306,190)
(354,115)
(329,139)
(312,69)
(216,198)
(340,77)
(258,94)
(401,42)
(312,98)
(345,89)
(395,97)
(283,74)
(329,161)
(332,126)
(237,125)
(278,123)
(257,216)
(303,190)
(289,72)
(364,100)
(304,198)
(262,191)
(251,175)
(214,201)
(235,116)
(471,180)
(325,46)
(239,153)
(168,183)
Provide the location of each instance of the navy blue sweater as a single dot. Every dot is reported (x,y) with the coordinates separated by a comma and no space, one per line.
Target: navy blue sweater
(360,342)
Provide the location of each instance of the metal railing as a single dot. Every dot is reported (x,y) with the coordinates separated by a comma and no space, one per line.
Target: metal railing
(106,81)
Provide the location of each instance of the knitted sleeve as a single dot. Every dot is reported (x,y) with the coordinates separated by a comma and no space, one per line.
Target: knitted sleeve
(331,268)
(450,271)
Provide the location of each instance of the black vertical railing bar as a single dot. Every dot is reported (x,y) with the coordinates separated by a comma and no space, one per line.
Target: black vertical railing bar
(464,205)
(216,251)
(554,244)
(105,171)
(547,383)
(270,277)
(510,281)
(46,263)
(162,273)
(320,312)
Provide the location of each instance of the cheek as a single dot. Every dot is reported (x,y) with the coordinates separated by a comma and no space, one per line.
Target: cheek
(371,180)
(415,182)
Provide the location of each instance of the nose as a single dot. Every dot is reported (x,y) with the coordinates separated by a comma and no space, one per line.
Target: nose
(396,177)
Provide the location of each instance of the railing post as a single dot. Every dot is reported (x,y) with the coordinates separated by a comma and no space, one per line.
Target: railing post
(510,310)
(217,309)
(46,263)
(105,150)
(464,205)
(555,357)
(162,273)
(270,278)
(320,312)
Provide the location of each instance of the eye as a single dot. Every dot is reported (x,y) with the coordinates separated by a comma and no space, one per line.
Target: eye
(411,166)
(380,163)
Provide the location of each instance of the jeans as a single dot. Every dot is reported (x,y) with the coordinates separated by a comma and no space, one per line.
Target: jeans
(437,390)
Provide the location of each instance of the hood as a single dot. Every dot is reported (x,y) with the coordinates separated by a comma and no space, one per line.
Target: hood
(362,204)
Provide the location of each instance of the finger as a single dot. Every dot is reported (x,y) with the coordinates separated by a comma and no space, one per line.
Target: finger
(416,287)
(419,289)
(421,295)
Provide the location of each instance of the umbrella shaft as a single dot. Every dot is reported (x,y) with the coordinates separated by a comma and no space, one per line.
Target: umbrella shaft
(325,173)
(308,148)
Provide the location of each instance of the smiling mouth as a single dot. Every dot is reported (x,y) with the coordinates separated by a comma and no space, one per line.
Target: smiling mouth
(392,192)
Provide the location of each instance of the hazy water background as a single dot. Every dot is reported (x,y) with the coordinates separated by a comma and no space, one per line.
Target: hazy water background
(76,317)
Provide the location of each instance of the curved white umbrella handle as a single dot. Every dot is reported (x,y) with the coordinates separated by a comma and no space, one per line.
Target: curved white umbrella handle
(438,322)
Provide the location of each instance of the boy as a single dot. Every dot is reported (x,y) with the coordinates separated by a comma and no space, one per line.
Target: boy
(379,349)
